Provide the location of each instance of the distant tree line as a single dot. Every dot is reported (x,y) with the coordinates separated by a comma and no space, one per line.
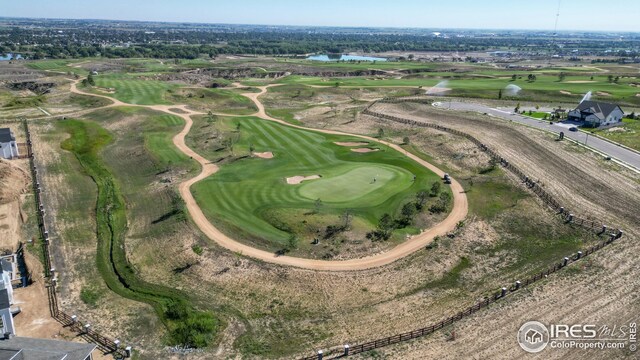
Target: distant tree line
(187,42)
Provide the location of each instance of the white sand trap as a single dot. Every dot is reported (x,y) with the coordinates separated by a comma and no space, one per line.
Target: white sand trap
(638,94)
(298,179)
(364,150)
(264,155)
(565,92)
(350,143)
(580,81)
(602,93)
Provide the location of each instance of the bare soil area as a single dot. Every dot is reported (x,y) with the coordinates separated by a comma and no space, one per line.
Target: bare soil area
(350,143)
(364,150)
(580,179)
(264,155)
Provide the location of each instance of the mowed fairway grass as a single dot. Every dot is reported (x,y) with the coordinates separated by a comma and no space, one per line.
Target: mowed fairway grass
(133,90)
(247,197)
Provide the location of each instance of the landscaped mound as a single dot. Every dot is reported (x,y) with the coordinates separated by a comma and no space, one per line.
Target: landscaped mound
(269,203)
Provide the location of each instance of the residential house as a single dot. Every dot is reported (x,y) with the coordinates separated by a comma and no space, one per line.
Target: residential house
(8,145)
(24,348)
(595,113)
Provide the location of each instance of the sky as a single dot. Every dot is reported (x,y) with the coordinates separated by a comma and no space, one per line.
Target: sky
(591,15)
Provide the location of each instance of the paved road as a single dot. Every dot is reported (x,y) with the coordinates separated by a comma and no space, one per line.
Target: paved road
(617,152)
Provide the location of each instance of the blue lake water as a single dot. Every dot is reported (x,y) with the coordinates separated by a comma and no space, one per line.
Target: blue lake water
(344,58)
(9,56)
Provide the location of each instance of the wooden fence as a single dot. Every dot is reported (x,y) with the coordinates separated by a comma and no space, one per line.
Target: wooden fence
(589,224)
(500,294)
(83,330)
(592,224)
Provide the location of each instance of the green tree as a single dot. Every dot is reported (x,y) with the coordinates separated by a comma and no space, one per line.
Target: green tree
(292,243)
(435,189)
(346,218)
(317,206)
(90,80)
(408,211)
(380,133)
(406,140)
(421,199)
(499,94)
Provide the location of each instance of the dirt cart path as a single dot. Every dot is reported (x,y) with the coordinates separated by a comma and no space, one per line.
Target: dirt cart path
(415,243)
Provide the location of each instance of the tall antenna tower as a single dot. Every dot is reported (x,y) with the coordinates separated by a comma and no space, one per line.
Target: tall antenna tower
(555,27)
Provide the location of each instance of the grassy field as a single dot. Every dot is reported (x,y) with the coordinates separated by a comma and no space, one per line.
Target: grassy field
(251,196)
(185,324)
(216,100)
(133,90)
(546,88)
(628,134)
(59,65)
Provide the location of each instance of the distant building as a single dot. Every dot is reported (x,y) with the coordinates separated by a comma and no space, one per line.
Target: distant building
(595,114)
(23,348)
(8,145)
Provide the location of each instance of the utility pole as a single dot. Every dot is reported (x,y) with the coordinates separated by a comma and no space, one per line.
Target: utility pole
(587,139)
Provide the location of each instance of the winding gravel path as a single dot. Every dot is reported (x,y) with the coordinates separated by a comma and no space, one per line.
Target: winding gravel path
(415,243)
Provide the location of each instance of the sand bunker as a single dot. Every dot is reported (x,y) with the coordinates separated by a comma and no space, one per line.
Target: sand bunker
(638,94)
(580,81)
(364,150)
(264,155)
(352,143)
(602,93)
(565,92)
(298,179)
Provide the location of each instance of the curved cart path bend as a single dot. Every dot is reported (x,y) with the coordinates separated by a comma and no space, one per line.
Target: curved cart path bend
(415,243)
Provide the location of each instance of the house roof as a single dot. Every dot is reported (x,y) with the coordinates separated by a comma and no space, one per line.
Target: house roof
(4,299)
(599,109)
(6,135)
(6,265)
(44,349)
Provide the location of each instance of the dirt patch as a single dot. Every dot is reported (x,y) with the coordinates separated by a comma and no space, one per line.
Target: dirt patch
(565,92)
(14,181)
(298,179)
(364,150)
(178,111)
(351,143)
(264,155)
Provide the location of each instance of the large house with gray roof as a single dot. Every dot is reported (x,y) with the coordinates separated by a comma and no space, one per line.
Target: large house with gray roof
(24,348)
(595,113)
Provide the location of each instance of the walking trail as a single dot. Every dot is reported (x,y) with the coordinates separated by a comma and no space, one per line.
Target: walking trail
(415,243)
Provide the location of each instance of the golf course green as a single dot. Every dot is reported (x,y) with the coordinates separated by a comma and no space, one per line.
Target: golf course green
(251,199)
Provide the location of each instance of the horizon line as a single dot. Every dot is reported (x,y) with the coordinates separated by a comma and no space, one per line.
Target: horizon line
(323,26)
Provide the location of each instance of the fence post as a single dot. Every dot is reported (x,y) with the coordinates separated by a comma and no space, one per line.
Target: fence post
(518,284)
(578,255)
(346,350)
(319,354)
